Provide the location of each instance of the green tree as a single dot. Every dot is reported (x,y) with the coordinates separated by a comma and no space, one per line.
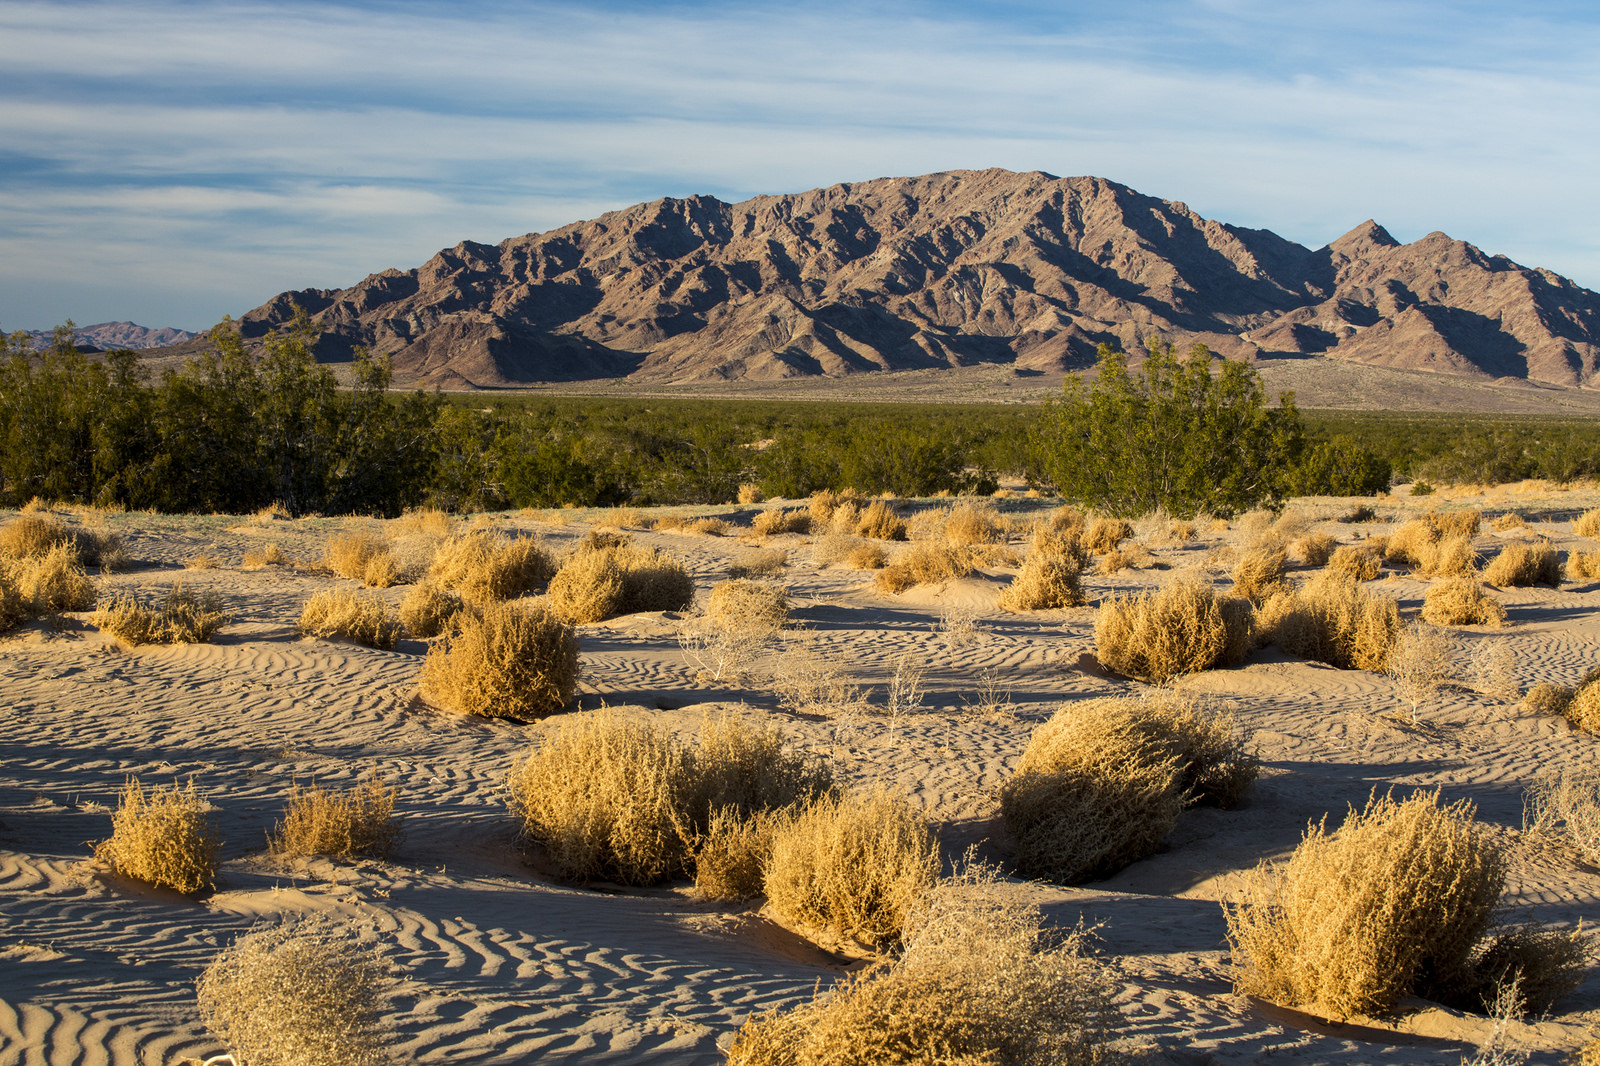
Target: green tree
(1180,435)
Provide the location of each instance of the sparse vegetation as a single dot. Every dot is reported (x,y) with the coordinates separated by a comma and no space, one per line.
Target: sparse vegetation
(363,617)
(1548,698)
(362,556)
(760,563)
(1420,663)
(184,617)
(880,522)
(1564,804)
(1315,549)
(39,586)
(1105,535)
(1583,566)
(509,661)
(742,604)
(1525,564)
(775,521)
(1332,619)
(1588,524)
(1046,581)
(485,566)
(1184,626)
(1461,601)
(166,838)
(343,824)
(925,562)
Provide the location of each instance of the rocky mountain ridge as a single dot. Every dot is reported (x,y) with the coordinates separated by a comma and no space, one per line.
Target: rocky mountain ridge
(110,336)
(946,269)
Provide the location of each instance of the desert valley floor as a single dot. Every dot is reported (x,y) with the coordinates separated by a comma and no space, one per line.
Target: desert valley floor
(503,964)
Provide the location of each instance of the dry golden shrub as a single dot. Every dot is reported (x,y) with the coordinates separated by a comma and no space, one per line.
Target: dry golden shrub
(1260,572)
(846,517)
(1406,544)
(1314,549)
(1537,967)
(855,864)
(1133,557)
(201,561)
(867,557)
(13,609)
(1182,627)
(588,587)
(1588,524)
(1508,521)
(759,563)
(1525,564)
(269,555)
(485,566)
(1584,710)
(510,661)
(880,522)
(1448,557)
(1420,663)
(1356,562)
(750,493)
(1044,583)
(166,838)
(925,562)
(614,798)
(355,821)
(830,548)
(592,586)
(32,534)
(1449,524)
(708,527)
(1047,541)
(1332,619)
(184,617)
(429,610)
(46,584)
(1583,566)
(1588,1055)
(824,502)
(1461,601)
(982,980)
(1102,782)
(272,512)
(1104,534)
(1391,904)
(809,679)
(303,992)
(775,521)
(361,556)
(428,521)
(742,604)
(362,617)
(1548,698)
(730,859)
(972,523)
(1564,804)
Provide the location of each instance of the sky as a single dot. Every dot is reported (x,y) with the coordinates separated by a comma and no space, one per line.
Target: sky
(172,162)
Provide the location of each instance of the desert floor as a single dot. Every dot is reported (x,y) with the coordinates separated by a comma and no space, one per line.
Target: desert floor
(502,964)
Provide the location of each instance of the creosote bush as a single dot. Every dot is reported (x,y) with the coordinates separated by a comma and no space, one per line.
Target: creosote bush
(322,821)
(184,617)
(429,610)
(1046,581)
(982,980)
(485,566)
(507,661)
(1461,601)
(1525,564)
(362,617)
(593,585)
(1102,782)
(1391,904)
(1332,619)
(623,800)
(880,522)
(1356,562)
(303,992)
(165,838)
(1182,627)
(856,864)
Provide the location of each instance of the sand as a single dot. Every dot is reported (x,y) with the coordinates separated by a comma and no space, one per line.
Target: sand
(501,964)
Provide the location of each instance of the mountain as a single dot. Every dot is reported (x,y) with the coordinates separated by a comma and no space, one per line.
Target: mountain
(110,336)
(945,269)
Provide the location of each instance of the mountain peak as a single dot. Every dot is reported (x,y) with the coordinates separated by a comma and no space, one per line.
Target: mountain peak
(1364,237)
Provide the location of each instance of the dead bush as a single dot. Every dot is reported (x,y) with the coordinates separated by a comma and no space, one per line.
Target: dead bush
(760,563)
(1455,523)
(1134,556)
(1105,534)
(1314,549)
(741,604)
(1046,541)
(1507,522)
(1538,967)
(303,992)
(1492,667)
(49,583)
(1391,904)
(592,586)
(880,522)
(750,493)
(807,679)
(1564,804)
(509,662)
(1588,524)
(343,824)
(830,548)
(362,617)
(1420,663)
(32,534)
(1101,783)
(1461,601)
(184,617)
(730,860)
(1356,562)
(1407,544)
(362,556)
(971,523)
(1547,698)
(1584,709)
(1184,626)
(855,864)
(165,838)
(1525,564)
(428,610)
(423,521)
(1044,583)
(1448,557)
(1260,572)
(708,527)
(269,555)
(825,502)
(982,980)
(924,563)
(776,521)
(608,797)
(486,566)
(1583,566)
(867,556)
(1332,619)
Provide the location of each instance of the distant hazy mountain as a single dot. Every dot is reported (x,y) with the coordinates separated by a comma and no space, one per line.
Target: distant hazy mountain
(945,269)
(109,336)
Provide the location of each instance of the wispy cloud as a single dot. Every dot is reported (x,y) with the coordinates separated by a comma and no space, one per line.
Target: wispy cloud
(172,161)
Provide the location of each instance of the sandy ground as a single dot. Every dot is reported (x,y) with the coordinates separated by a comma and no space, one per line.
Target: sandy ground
(502,965)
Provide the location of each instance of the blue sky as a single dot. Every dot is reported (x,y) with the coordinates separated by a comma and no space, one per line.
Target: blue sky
(172,162)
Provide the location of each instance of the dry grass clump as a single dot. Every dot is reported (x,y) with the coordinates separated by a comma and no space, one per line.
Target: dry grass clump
(321,821)
(1406,544)
(971,523)
(1448,557)
(429,610)
(1391,904)
(1583,566)
(1532,967)
(1588,524)
(832,547)
(775,521)
(486,566)
(1104,534)
(1182,627)
(1044,583)
(363,557)
(624,800)
(824,502)
(1508,521)
(1548,698)
(742,604)
(925,562)
(730,860)
(1314,549)
(1102,782)
(1455,523)
(307,991)
(750,492)
(867,556)
(165,838)
(425,521)
(1461,601)
(184,617)
(38,586)
(34,533)
(855,864)
(510,661)
(880,522)
(981,980)
(1356,562)
(1332,619)
(593,585)
(1584,709)
(201,561)
(759,563)
(362,617)
(1133,557)
(270,555)
(1260,572)
(708,527)
(1564,804)
(1525,564)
